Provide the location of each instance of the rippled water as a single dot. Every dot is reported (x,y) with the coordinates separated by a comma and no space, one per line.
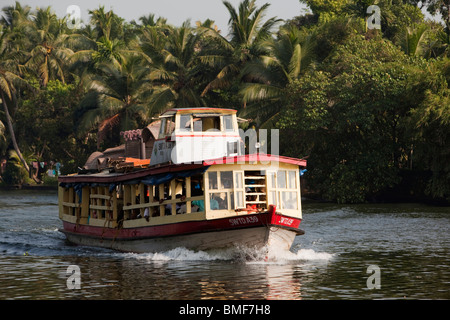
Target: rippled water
(409,243)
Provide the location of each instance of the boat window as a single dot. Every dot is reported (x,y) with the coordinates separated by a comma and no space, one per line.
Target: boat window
(238,195)
(223,191)
(202,124)
(292,180)
(197,124)
(281,179)
(218,201)
(212,177)
(162,128)
(228,122)
(226,179)
(238,180)
(185,122)
(286,189)
(170,125)
(289,199)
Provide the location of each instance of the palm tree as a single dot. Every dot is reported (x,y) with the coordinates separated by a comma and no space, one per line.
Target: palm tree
(49,53)
(107,24)
(116,99)
(2,136)
(10,81)
(16,22)
(96,46)
(149,20)
(288,56)
(413,40)
(247,32)
(172,54)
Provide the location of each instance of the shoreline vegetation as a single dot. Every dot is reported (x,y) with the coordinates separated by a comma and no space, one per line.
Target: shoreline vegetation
(368,107)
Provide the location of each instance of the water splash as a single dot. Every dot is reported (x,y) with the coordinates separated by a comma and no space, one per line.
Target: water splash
(238,254)
(303,255)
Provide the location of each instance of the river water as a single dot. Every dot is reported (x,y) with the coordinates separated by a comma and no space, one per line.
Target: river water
(349,252)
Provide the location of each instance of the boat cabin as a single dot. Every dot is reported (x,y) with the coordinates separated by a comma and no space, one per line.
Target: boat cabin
(193,135)
(239,186)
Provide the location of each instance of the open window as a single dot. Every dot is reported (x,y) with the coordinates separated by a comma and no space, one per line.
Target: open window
(167,127)
(206,122)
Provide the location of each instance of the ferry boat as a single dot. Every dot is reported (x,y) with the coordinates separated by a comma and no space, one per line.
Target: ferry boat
(183,181)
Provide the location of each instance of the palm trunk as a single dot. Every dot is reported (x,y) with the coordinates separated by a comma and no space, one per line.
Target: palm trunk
(11,132)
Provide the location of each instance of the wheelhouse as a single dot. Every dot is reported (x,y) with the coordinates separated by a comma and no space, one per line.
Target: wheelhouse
(193,135)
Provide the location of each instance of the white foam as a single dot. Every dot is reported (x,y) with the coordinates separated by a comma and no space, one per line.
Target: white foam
(181,254)
(310,254)
(238,254)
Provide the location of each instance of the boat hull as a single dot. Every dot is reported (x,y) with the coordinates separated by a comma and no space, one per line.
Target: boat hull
(255,231)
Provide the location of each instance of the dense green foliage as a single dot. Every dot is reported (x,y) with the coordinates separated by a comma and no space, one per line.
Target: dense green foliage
(370,108)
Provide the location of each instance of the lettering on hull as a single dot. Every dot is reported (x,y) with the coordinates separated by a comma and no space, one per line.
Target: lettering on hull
(241,221)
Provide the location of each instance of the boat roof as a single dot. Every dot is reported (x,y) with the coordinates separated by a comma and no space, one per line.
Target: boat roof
(173,111)
(107,177)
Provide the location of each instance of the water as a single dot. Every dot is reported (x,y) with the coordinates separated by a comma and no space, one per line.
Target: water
(409,243)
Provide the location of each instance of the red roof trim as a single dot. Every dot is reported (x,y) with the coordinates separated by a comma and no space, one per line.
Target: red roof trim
(256,158)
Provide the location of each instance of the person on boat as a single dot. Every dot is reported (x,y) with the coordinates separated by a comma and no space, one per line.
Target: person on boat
(146,214)
(213,204)
(200,204)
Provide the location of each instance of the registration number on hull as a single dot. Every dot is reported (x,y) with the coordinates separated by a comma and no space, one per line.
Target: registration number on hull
(239,221)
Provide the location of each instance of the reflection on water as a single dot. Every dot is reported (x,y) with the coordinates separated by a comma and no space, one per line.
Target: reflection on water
(409,243)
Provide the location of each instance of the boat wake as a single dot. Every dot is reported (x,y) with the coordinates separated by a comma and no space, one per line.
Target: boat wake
(238,254)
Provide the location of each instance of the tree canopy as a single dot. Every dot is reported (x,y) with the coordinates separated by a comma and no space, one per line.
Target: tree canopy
(369,108)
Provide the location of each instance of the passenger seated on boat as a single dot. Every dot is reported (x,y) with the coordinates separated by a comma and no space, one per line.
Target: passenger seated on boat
(200,204)
(168,209)
(213,204)
(182,209)
(146,214)
(222,200)
(179,205)
(134,214)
